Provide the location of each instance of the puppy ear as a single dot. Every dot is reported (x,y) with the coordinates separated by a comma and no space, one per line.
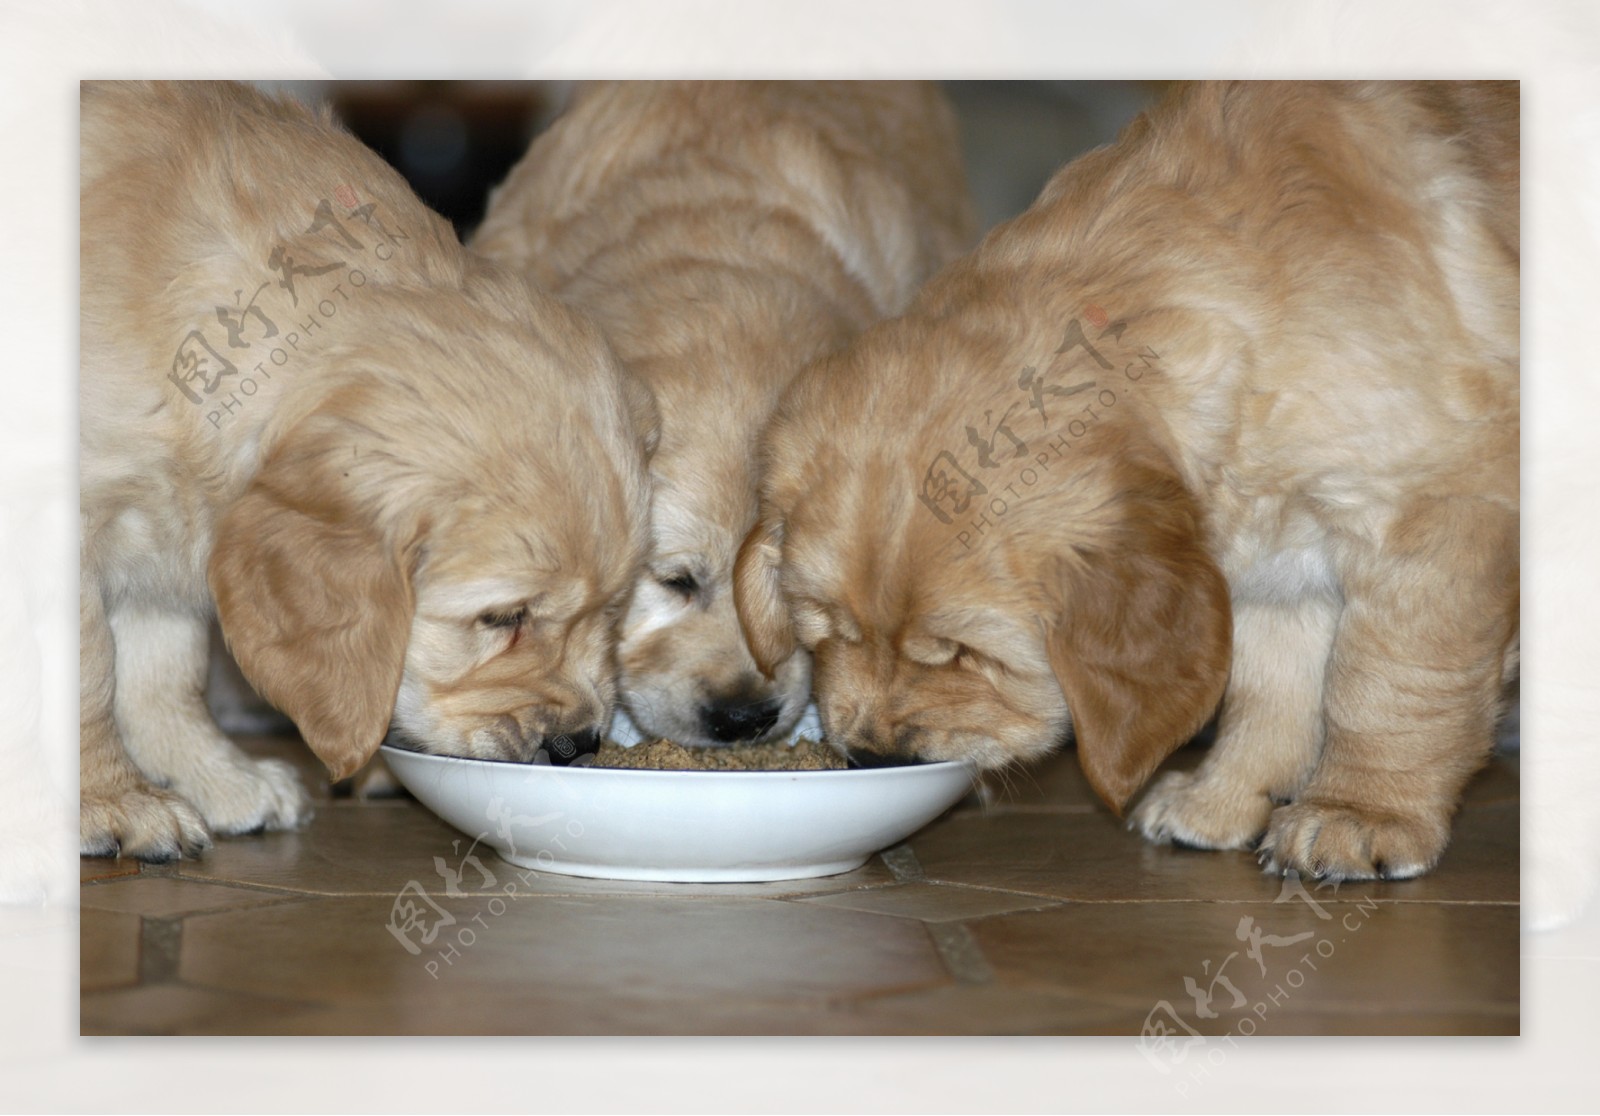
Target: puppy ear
(643,412)
(1143,644)
(316,606)
(758,598)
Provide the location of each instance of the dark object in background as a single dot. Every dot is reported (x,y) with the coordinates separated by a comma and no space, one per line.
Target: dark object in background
(453,141)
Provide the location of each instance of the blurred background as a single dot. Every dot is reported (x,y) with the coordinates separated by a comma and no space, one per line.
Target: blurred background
(455,140)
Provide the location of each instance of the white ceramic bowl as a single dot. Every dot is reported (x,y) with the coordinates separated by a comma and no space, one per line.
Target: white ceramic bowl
(690,826)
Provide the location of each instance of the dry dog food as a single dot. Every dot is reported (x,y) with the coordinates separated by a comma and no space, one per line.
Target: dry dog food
(665,755)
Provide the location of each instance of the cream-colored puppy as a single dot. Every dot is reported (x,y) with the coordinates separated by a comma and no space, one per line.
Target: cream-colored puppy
(305,404)
(1233,406)
(723,234)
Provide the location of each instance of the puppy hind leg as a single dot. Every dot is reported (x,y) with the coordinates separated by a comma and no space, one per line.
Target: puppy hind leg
(161,673)
(120,812)
(1268,737)
(1412,696)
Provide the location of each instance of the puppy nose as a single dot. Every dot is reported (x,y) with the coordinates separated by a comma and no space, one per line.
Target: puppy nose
(729,721)
(564,748)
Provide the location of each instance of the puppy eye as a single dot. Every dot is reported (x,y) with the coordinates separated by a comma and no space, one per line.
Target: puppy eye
(683,583)
(506,619)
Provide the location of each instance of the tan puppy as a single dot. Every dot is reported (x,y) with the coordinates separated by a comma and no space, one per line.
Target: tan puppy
(723,234)
(301,398)
(1234,404)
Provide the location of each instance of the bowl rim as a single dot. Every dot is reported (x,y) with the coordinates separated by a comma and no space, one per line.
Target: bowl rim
(590,770)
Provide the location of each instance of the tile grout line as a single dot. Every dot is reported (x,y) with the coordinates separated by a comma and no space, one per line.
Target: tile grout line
(998,889)
(959,951)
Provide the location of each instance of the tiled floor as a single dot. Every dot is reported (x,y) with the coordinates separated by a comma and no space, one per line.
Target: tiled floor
(1034,914)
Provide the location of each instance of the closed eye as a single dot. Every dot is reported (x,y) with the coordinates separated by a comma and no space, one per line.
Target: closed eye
(969,658)
(504,618)
(933,652)
(683,583)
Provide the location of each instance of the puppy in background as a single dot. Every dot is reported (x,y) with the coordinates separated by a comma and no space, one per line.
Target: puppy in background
(306,407)
(1233,407)
(723,234)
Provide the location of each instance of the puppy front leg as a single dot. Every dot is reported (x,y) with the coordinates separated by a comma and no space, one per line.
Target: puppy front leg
(1268,737)
(120,812)
(1412,696)
(160,701)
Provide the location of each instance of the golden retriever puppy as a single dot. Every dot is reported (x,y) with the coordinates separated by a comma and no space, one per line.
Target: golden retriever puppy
(1233,407)
(304,404)
(723,234)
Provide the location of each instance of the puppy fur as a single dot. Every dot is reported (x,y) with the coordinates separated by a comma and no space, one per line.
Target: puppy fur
(1288,470)
(379,501)
(723,234)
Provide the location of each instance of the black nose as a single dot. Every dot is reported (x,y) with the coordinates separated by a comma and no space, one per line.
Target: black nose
(740,719)
(563,748)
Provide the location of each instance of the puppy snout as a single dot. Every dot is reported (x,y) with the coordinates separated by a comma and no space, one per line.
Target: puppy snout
(866,758)
(728,720)
(874,752)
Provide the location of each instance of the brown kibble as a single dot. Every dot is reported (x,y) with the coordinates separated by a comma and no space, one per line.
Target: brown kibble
(665,755)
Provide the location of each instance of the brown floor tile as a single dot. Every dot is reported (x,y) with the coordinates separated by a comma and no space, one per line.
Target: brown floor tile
(983,1009)
(108,949)
(347,849)
(92,868)
(165,897)
(540,955)
(1432,960)
(175,1009)
(953,1010)
(1093,857)
(931,902)
(551,1012)
(1080,856)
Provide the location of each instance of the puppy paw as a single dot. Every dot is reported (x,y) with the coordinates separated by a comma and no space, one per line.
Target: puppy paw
(243,795)
(143,822)
(1184,809)
(1337,841)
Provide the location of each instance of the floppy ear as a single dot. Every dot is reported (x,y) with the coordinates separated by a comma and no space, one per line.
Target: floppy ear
(757,597)
(1143,644)
(316,606)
